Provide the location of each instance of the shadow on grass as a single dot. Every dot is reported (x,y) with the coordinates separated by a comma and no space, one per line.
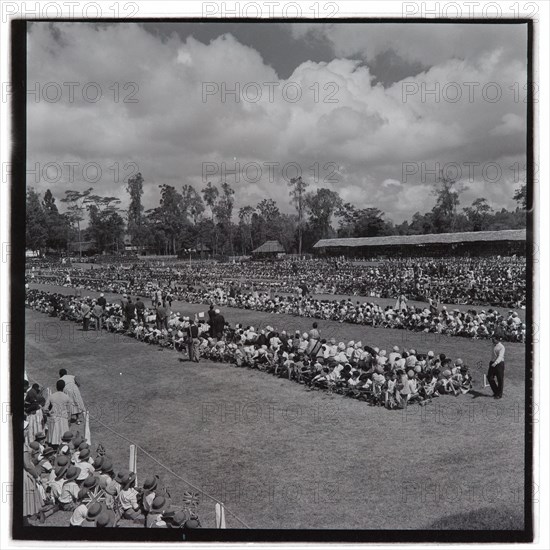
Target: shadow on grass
(505,517)
(475,394)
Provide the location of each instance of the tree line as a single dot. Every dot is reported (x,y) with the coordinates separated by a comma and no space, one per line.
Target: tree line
(188,220)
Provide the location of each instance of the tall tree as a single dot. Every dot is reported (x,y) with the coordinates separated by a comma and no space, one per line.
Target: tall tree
(245,226)
(210,194)
(172,214)
(447,191)
(520,196)
(297,193)
(76,201)
(321,206)
(194,203)
(35,228)
(135,210)
(479,214)
(106,226)
(224,212)
(57,225)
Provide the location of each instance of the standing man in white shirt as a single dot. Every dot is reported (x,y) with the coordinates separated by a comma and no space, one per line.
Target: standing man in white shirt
(496,367)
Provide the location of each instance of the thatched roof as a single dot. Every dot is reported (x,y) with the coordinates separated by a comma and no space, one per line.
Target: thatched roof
(435,238)
(269,247)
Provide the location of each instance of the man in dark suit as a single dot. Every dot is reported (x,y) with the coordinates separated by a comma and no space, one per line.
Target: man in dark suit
(140,310)
(218,323)
(102,301)
(130,310)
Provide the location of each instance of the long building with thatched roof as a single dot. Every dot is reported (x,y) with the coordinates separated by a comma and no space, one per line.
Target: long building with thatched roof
(510,241)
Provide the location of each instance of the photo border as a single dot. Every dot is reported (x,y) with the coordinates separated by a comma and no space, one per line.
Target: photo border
(20,532)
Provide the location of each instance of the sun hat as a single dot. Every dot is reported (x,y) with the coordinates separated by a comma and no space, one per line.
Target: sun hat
(84,454)
(158,504)
(94,510)
(90,482)
(150,483)
(62,460)
(191,524)
(103,520)
(48,452)
(121,474)
(127,480)
(179,518)
(72,473)
(106,465)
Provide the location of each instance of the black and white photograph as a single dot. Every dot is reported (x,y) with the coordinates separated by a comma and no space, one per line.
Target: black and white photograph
(274,280)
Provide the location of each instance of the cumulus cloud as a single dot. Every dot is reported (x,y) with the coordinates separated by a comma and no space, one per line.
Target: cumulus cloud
(177,109)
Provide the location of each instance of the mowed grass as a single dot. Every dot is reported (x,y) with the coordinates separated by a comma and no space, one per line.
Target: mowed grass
(280,456)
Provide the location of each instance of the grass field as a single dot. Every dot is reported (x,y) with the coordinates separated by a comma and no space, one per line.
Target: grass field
(281,456)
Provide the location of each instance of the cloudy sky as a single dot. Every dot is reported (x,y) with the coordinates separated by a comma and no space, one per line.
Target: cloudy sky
(347,104)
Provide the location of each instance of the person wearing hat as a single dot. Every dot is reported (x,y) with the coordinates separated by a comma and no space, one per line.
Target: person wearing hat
(89,484)
(105,519)
(192,523)
(83,462)
(95,509)
(128,498)
(56,478)
(155,518)
(80,516)
(105,472)
(58,408)
(150,486)
(177,519)
(495,376)
(70,491)
(40,437)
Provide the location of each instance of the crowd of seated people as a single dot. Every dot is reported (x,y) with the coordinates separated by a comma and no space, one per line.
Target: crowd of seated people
(473,323)
(61,472)
(494,281)
(392,380)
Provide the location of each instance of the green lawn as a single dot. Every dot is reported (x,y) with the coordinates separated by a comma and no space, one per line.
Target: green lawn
(281,456)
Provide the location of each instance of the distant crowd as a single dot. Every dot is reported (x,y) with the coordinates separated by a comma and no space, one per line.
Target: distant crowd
(494,281)
(473,323)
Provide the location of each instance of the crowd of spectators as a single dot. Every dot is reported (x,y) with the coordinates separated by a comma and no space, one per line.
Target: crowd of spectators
(392,379)
(494,281)
(61,472)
